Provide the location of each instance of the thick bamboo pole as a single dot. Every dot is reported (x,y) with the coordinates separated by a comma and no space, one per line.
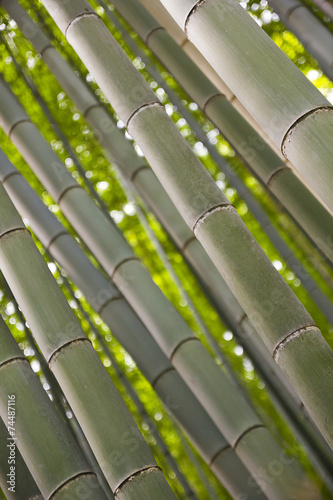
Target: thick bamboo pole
(280,179)
(282,100)
(85,383)
(25,487)
(35,427)
(286,327)
(315,37)
(125,325)
(325,6)
(173,335)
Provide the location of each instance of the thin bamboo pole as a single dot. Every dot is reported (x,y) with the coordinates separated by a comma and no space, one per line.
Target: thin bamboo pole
(282,100)
(125,325)
(25,488)
(45,443)
(187,354)
(280,179)
(310,31)
(102,414)
(325,6)
(286,327)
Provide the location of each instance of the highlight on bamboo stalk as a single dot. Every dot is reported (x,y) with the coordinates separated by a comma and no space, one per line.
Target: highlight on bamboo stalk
(235,440)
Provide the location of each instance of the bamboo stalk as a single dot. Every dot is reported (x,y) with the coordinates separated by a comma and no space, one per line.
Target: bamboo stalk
(315,37)
(25,488)
(46,445)
(84,381)
(118,315)
(302,124)
(314,219)
(58,397)
(296,344)
(170,331)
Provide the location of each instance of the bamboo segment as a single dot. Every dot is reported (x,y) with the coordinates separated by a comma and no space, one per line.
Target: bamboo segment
(282,100)
(25,487)
(168,328)
(85,383)
(53,456)
(266,298)
(116,312)
(315,37)
(261,159)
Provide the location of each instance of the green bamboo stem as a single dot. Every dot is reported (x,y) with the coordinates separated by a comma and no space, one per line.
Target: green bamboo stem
(282,100)
(58,397)
(280,179)
(315,37)
(325,6)
(296,344)
(118,315)
(26,488)
(82,377)
(46,445)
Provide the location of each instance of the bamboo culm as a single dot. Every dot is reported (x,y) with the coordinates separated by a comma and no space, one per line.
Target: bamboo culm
(125,325)
(286,327)
(45,443)
(310,31)
(266,165)
(171,332)
(80,373)
(325,6)
(296,116)
(25,488)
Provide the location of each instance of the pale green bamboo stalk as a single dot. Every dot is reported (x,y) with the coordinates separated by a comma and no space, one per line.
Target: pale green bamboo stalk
(315,37)
(26,488)
(325,6)
(125,325)
(81,375)
(282,100)
(211,386)
(46,445)
(58,397)
(280,179)
(296,344)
